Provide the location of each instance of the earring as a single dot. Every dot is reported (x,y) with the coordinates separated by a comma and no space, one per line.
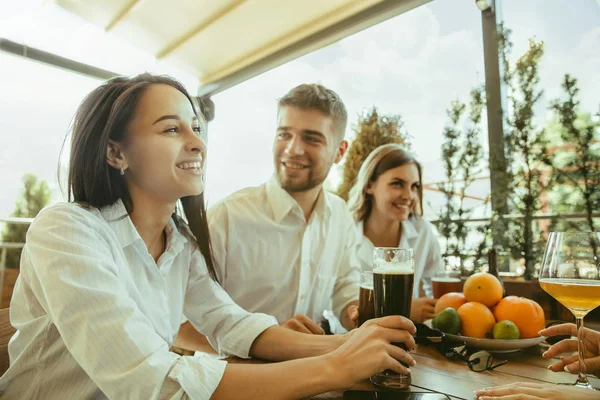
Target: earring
(122,171)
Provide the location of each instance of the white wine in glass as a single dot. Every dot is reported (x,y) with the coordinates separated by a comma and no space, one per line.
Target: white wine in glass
(571,274)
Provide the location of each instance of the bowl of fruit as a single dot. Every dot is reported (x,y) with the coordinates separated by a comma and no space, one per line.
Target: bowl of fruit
(482,318)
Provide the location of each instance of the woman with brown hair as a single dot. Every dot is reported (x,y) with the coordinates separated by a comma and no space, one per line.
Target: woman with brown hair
(106,277)
(387,204)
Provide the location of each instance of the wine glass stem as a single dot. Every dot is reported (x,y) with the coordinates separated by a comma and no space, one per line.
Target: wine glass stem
(582,378)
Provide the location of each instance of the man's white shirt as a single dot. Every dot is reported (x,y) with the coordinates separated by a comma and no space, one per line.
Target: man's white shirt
(417,234)
(271,260)
(95,315)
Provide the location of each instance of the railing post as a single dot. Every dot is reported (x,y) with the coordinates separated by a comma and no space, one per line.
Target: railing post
(2,267)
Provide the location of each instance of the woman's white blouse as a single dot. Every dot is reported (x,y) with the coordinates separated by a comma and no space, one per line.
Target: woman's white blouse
(95,314)
(417,234)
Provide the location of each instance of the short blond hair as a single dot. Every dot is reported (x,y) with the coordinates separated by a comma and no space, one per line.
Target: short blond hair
(382,159)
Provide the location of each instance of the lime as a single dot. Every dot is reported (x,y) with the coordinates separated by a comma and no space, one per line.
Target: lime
(505,330)
(447,321)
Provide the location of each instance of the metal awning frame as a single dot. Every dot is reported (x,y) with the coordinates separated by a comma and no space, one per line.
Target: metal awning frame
(364,19)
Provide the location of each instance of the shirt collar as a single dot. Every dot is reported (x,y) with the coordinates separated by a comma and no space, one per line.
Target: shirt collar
(118,219)
(409,232)
(283,203)
(175,239)
(360,225)
(323,205)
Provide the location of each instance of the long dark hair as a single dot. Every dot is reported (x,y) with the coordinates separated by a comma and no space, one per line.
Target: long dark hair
(104,114)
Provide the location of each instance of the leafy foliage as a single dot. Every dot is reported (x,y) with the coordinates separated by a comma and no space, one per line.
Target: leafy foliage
(524,152)
(462,154)
(35,196)
(575,160)
(373,130)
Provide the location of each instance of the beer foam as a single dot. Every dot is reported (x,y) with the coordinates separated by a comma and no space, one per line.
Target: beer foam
(395,268)
(444,279)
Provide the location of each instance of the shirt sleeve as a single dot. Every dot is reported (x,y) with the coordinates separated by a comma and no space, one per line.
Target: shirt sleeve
(347,285)
(77,283)
(434,258)
(218,222)
(230,329)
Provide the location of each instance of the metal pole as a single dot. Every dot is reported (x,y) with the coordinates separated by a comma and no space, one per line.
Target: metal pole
(2,266)
(207,107)
(54,60)
(495,96)
(16,220)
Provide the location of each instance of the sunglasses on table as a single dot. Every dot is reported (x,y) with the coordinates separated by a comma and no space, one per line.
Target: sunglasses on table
(479,361)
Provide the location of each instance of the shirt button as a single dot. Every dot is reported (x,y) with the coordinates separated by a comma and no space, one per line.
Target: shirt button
(302,298)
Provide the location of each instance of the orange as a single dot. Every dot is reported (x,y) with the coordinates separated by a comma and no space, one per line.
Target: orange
(476,320)
(452,299)
(525,313)
(484,288)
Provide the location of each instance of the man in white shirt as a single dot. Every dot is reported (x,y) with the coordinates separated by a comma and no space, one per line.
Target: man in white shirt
(287,247)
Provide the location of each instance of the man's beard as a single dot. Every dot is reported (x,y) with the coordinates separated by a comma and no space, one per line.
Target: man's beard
(294,186)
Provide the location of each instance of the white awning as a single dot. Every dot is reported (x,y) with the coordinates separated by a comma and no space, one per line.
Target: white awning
(224,42)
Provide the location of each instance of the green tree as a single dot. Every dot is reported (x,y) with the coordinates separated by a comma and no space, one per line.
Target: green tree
(373,130)
(35,196)
(575,159)
(524,150)
(462,154)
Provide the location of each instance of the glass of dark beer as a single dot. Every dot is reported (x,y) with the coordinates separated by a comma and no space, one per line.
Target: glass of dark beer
(393,280)
(366,298)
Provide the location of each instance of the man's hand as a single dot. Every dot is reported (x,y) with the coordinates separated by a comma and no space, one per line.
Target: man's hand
(422,309)
(349,318)
(352,312)
(301,323)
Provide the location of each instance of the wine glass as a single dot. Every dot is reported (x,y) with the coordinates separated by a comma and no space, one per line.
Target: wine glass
(571,274)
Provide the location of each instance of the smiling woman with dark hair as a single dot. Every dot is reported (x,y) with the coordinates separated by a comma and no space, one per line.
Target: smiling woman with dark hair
(106,278)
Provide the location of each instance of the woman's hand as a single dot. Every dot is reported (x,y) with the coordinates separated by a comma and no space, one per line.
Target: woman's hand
(536,391)
(368,350)
(422,309)
(591,341)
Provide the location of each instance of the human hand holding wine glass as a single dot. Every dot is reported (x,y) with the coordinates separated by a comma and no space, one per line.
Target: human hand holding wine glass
(571,274)
(591,343)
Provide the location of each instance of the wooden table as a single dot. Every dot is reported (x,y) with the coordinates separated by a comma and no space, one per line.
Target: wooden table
(436,373)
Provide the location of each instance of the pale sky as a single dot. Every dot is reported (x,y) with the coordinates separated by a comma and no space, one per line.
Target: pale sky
(414,65)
